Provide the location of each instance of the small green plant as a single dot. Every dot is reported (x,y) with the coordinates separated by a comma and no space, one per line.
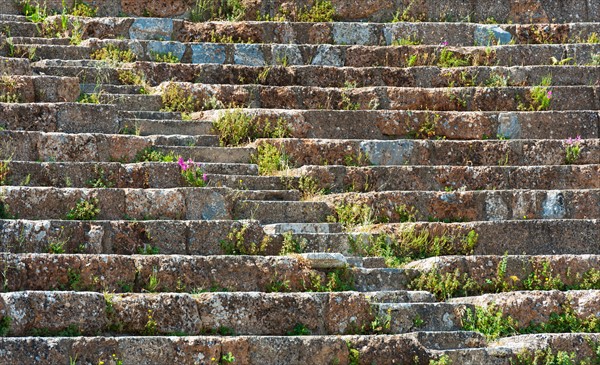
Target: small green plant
(93,98)
(411,40)
(309,187)
(57,246)
(176,99)
(150,154)
(346,102)
(235,127)
(34,13)
(113,55)
(353,354)
(151,327)
(353,215)
(83,9)
(489,321)
(595,59)
(153,282)
(270,159)
(427,129)
(168,57)
(497,80)
(101,181)
(299,330)
(235,243)
(148,250)
(572,150)
(192,173)
(442,360)
(540,96)
(292,244)
(448,58)
(228,358)
(131,77)
(5,326)
(4,172)
(382,322)
(406,15)
(321,11)
(278,285)
(205,10)
(84,210)
(74,278)
(335,280)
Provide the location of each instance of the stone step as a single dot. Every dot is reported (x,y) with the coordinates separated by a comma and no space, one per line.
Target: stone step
(394,98)
(339,179)
(433,152)
(541,305)
(60,147)
(39,89)
(144,204)
(452,11)
(187,274)
(423,76)
(282,211)
(132,102)
(516,237)
(140,175)
(402,318)
(11,17)
(49,51)
(482,205)
(583,343)
(110,89)
(393,124)
(15,66)
(532,237)
(146,127)
(249,313)
(515,272)
(264,54)
(40,40)
(252,350)
(18,27)
(153,115)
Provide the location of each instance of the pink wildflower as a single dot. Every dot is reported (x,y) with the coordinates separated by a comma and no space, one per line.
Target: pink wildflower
(182,164)
(549,94)
(204,177)
(444,44)
(578,139)
(569,141)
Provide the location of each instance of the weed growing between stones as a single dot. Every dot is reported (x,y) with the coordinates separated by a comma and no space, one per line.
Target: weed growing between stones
(550,357)
(407,15)
(292,245)
(335,280)
(442,360)
(410,40)
(206,10)
(353,354)
(299,330)
(113,55)
(84,210)
(412,245)
(278,284)
(321,11)
(71,331)
(4,172)
(309,187)
(595,59)
(448,58)
(235,243)
(270,159)
(497,79)
(572,150)
(460,284)
(34,13)
(130,77)
(93,98)
(57,245)
(235,127)
(192,173)
(539,96)
(151,327)
(150,154)
(148,250)
(101,181)
(228,358)
(5,326)
(168,57)
(426,130)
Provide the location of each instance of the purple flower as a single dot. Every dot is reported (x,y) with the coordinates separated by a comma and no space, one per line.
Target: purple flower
(444,44)
(182,164)
(549,94)
(204,177)
(578,139)
(569,141)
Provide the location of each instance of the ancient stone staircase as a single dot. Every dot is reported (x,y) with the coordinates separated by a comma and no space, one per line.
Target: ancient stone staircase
(428,184)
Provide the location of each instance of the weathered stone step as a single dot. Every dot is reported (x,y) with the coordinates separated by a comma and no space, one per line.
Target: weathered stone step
(188,274)
(515,272)
(32,89)
(146,127)
(251,350)
(581,304)
(263,54)
(433,152)
(282,211)
(117,175)
(49,51)
(144,204)
(486,205)
(132,102)
(324,75)
(140,114)
(18,27)
(11,17)
(516,237)
(40,40)
(402,318)
(393,124)
(110,89)
(450,178)
(451,11)
(394,98)
(584,343)
(249,313)
(15,66)
(60,147)
(532,237)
